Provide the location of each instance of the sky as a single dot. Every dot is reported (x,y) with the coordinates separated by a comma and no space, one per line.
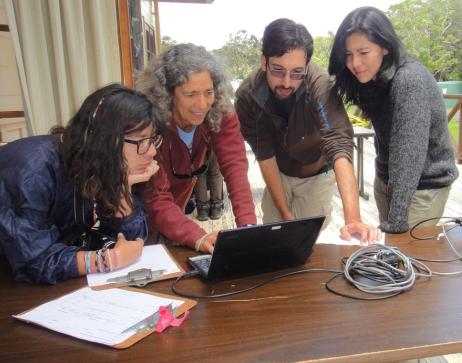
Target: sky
(211,24)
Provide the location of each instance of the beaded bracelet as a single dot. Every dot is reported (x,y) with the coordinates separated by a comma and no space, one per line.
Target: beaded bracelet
(107,257)
(106,266)
(85,261)
(98,262)
(87,257)
(102,261)
(107,245)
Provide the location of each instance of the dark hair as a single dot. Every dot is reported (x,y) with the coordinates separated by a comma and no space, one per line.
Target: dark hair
(283,35)
(172,68)
(374,24)
(91,147)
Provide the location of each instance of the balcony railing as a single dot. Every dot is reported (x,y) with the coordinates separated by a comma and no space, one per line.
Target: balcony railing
(451,114)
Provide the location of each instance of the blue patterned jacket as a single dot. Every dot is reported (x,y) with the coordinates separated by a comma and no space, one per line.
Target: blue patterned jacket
(39,235)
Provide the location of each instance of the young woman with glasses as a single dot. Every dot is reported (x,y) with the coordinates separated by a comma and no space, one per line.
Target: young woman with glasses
(415,164)
(189,88)
(56,189)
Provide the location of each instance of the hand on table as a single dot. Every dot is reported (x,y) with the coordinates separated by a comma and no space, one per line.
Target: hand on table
(366,234)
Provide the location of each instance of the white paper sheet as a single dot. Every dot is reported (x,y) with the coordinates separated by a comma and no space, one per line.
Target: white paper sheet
(154,257)
(334,238)
(97,316)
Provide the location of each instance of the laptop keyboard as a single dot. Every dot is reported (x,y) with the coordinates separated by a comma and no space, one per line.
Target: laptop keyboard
(201,263)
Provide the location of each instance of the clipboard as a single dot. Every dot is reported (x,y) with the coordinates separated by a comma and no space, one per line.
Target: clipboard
(98,281)
(50,315)
(187,305)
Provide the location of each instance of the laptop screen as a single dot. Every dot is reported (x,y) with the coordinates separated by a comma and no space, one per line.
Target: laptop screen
(262,248)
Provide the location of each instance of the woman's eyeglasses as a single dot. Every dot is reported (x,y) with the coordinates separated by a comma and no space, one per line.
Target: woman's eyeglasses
(279,72)
(195,173)
(143,145)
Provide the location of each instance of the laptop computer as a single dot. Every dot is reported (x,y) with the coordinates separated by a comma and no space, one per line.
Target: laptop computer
(260,248)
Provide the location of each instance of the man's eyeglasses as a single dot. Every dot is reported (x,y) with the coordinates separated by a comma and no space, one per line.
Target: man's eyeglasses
(143,145)
(280,72)
(195,173)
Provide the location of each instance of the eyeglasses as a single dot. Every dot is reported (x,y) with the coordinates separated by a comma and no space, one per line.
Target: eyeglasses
(280,72)
(195,173)
(143,145)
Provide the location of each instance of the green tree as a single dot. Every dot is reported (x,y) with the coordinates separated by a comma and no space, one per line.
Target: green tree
(166,43)
(431,31)
(322,48)
(241,54)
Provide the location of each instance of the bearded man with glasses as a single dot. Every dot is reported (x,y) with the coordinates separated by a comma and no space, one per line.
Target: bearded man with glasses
(300,133)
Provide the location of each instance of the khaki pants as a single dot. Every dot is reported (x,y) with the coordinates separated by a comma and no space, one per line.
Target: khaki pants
(425,204)
(306,197)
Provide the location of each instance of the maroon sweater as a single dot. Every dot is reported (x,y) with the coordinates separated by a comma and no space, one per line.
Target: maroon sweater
(166,204)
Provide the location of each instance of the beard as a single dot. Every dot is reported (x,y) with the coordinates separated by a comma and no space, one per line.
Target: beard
(284,92)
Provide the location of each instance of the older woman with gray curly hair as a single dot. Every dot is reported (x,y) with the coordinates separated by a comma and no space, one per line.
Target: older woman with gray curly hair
(189,88)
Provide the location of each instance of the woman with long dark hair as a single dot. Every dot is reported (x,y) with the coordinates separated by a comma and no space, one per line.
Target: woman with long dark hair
(65,196)
(415,163)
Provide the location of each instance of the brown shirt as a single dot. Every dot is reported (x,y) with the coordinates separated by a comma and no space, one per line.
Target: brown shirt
(317,131)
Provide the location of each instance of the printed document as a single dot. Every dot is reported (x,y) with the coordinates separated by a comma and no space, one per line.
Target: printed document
(97,316)
(334,238)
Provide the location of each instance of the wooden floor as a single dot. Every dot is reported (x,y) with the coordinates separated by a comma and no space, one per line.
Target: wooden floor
(368,213)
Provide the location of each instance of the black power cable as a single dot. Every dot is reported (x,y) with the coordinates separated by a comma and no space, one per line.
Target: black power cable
(456,221)
(260,283)
(388,271)
(379,270)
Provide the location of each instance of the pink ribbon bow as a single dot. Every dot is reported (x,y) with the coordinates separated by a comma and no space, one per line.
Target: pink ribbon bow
(167,319)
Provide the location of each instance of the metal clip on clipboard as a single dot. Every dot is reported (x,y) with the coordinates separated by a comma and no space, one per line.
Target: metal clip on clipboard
(148,323)
(139,278)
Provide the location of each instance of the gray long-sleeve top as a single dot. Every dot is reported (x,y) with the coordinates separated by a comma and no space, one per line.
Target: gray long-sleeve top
(412,141)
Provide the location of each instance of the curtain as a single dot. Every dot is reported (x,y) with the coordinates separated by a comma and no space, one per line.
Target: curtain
(65,49)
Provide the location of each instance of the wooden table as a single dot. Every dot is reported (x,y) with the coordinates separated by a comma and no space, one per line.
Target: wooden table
(361,133)
(294,319)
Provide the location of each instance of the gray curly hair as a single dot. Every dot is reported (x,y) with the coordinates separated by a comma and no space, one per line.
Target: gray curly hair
(172,68)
